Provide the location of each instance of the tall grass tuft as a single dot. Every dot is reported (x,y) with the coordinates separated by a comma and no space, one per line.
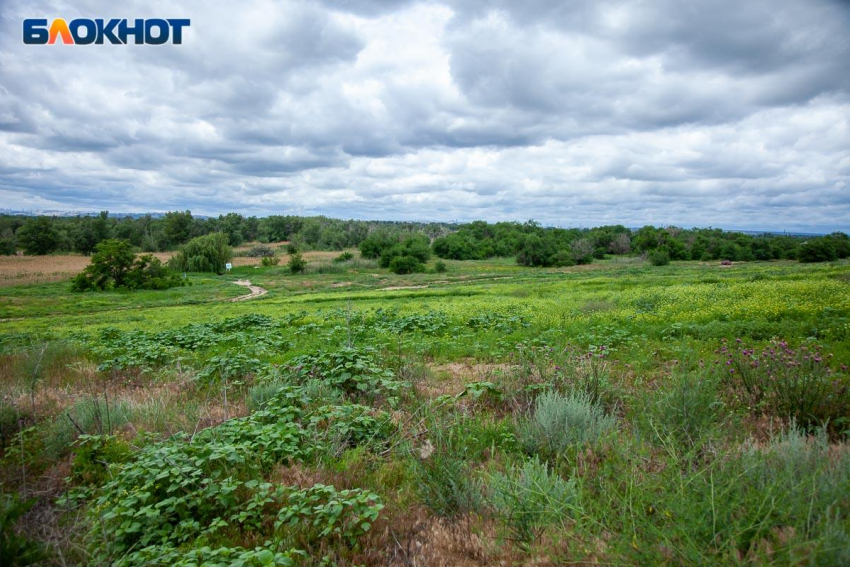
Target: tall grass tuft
(88,416)
(685,411)
(445,484)
(529,498)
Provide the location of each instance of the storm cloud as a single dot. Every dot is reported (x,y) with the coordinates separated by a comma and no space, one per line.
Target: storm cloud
(731,114)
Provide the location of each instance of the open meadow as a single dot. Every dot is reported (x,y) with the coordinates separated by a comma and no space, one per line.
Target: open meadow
(613,413)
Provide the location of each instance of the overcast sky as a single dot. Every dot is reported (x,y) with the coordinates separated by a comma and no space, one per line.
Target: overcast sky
(729,113)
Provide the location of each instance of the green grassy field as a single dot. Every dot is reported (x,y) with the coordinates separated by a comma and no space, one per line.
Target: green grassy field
(614,413)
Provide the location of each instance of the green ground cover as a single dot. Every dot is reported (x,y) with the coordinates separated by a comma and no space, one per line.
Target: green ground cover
(611,413)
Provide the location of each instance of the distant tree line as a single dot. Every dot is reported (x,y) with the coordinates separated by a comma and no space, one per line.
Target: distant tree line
(81,234)
(407,246)
(534,245)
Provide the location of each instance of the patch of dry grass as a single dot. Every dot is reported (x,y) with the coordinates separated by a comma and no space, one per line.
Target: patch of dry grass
(26,270)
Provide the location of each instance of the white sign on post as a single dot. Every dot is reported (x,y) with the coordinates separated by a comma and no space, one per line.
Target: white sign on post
(228,266)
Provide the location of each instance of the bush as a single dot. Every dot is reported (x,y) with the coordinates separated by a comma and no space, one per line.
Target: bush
(659,257)
(296,263)
(207,253)
(149,273)
(38,236)
(260,251)
(530,498)
(559,422)
(440,267)
(269,261)
(355,371)
(344,257)
(185,491)
(405,265)
(108,268)
(94,456)
(115,266)
(582,251)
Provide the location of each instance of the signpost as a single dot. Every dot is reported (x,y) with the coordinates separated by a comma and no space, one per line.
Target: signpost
(228,266)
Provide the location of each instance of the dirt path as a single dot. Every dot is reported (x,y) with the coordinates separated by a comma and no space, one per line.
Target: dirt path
(256,291)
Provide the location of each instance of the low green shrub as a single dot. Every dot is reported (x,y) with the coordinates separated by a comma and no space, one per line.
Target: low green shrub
(560,421)
(93,457)
(355,371)
(170,556)
(185,491)
(322,512)
(405,265)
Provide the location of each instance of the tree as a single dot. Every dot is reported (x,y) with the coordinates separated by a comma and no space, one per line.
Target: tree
(89,232)
(537,250)
(208,253)
(621,244)
(582,250)
(231,224)
(376,243)
(645,239)
(38,236)
(415,246)
(7,243)
(176,229)
(115,266)
(818,250)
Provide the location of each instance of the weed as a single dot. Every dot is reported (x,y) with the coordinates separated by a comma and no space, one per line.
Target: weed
(793,384)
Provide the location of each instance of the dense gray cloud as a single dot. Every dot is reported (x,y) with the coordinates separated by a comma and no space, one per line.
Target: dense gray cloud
(723,113)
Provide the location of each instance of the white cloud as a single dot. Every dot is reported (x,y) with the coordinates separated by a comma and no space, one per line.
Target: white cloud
(570,113)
